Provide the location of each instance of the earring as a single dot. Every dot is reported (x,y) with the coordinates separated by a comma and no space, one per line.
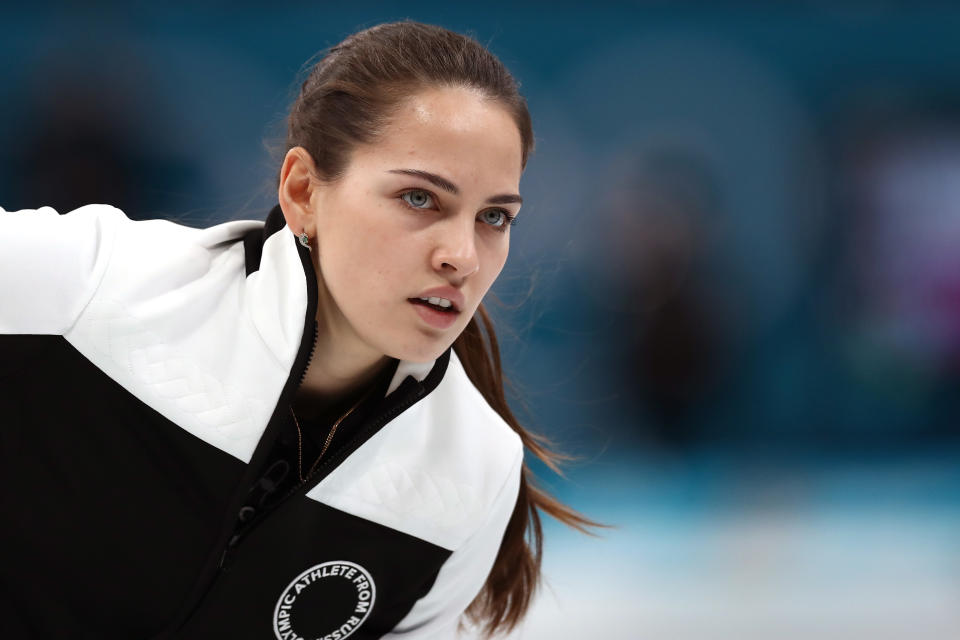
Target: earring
(304,239)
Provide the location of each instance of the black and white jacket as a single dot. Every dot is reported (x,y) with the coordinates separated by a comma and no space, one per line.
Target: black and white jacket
(145,382)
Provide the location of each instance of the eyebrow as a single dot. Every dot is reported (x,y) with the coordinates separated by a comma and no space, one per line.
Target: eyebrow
(446,185)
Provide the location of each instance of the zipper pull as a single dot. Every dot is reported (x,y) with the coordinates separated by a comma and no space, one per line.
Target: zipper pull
(225,556)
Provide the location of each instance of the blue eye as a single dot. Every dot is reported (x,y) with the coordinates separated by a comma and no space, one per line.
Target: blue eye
(417,198)
(499,220)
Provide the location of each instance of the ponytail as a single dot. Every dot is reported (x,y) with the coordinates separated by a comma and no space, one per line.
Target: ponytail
(506,595)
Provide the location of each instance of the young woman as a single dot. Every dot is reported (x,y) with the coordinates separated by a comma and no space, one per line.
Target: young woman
(293,428)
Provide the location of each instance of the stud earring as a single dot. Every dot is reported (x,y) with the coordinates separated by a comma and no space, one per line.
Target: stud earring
(304,240)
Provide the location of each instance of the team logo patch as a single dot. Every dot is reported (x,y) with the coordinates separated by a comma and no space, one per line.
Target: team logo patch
(328,601)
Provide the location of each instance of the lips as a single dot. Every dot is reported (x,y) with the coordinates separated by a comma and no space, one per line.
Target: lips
(433,316)
(447,293)
(440,304)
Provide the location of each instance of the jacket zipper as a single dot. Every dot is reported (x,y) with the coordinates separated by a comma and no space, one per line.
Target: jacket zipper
(342,454)
(232,542)
(316,334)
(208,574)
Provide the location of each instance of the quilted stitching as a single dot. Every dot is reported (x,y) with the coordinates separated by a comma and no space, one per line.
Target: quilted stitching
(163,378)
(410,493)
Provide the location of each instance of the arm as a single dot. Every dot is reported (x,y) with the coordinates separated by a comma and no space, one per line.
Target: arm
(435,616)
(51,265)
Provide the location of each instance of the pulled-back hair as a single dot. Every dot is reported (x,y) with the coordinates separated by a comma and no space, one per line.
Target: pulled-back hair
(347,99)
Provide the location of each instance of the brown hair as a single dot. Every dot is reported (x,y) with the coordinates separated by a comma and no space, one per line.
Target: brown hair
(346,100)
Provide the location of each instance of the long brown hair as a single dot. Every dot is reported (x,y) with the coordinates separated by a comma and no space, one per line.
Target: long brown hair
(346,100)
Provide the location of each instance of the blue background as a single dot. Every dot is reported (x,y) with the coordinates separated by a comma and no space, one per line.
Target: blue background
(734,291)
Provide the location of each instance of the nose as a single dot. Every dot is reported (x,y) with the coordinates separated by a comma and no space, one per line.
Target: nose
(456,249)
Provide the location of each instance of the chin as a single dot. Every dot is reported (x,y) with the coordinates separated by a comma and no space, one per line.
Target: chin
(427,352)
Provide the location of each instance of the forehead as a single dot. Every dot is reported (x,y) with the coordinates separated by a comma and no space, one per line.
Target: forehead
(452,131)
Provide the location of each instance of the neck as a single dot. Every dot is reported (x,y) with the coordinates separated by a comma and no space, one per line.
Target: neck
(335,375)
(342,366)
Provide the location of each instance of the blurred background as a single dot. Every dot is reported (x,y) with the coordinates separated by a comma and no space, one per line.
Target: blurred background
(734,291)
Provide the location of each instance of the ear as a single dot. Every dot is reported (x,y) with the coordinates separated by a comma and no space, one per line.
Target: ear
(296,192)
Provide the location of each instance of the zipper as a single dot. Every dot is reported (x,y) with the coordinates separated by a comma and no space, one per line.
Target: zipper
(231,546)
(372,426)
(319,473)
(411,391)
(209,572)
(316,335)
(311,305)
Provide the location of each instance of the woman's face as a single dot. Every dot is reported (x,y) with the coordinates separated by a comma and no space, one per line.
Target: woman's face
(422,212)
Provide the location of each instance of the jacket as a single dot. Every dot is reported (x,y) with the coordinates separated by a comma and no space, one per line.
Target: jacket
(146,377)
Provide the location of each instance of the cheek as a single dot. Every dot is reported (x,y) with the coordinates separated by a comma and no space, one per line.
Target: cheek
(496,258)
(365,262)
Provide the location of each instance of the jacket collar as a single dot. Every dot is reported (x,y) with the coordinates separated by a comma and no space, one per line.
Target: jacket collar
(282,296)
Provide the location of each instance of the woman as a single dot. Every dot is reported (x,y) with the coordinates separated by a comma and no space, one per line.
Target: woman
(290,429)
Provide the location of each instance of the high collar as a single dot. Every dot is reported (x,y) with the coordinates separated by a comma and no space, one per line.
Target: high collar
(209,327)
(282,288)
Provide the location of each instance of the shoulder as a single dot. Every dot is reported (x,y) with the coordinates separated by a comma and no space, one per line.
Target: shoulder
(51,264)
(159,270)
(166,243)
(474,443)
(436,471)
(470,418)
(170,322)
(106,233)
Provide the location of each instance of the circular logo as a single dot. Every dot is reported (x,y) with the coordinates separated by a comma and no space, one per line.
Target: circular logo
(328,601)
